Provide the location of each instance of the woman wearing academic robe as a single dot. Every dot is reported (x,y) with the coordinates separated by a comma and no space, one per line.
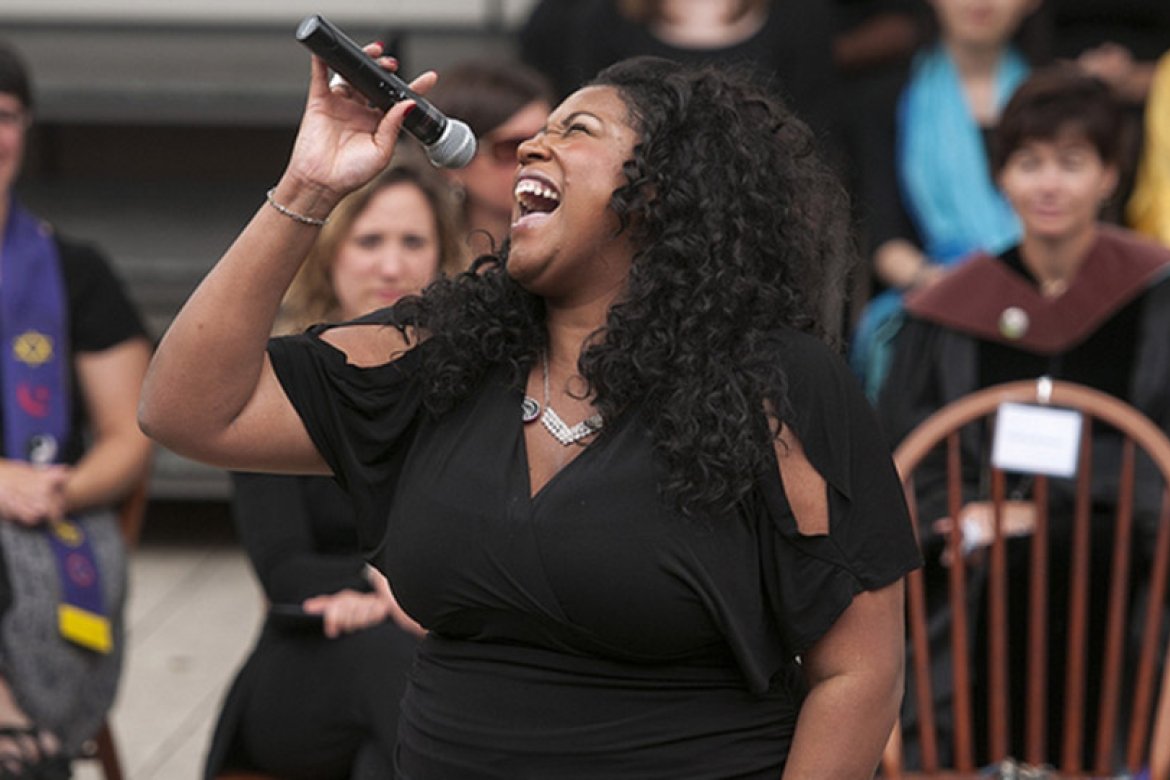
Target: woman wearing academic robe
(1075,300)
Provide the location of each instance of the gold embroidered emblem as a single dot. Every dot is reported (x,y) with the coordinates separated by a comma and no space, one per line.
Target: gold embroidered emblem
(32,348)
(69,533)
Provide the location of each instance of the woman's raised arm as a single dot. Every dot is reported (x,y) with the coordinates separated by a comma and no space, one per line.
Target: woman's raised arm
(210,392)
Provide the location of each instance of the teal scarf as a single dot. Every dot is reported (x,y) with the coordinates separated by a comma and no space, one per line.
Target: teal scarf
(942,164)
(947,187)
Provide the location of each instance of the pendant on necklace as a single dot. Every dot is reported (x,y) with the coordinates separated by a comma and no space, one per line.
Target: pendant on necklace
(529,409)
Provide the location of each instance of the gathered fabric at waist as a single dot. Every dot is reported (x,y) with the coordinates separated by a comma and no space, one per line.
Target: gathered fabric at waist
(486,710)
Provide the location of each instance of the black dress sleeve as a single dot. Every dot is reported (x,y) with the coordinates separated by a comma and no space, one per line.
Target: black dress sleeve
(872,128)
(277,518)
(813,578)
(101,316)
(361,419)
(101,313)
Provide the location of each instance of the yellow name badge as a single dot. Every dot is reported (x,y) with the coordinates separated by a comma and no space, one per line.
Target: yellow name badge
(84,628)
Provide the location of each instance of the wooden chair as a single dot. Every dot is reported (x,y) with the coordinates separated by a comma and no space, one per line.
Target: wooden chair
(103,748)
(1124,736)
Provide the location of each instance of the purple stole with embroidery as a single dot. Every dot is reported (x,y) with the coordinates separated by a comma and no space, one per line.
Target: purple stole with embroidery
(34,335)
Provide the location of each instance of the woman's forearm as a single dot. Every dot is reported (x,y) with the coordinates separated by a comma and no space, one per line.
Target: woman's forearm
(108,472)
(109,382)
(856,678)
(899,264)
(843,726)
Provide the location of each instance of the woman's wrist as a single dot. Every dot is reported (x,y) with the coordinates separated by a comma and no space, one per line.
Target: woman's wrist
(919,275)
(302,201)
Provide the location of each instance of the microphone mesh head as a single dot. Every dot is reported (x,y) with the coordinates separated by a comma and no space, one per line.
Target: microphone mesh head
(455,148)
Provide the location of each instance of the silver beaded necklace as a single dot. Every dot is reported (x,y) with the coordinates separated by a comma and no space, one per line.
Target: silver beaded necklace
(530,410)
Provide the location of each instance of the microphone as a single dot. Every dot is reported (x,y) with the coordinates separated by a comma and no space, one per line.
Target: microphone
(448,142)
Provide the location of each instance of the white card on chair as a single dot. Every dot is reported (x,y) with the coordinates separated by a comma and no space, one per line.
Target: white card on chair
(1036,439)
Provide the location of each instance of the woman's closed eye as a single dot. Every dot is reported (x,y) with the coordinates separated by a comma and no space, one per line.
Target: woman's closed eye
(577,122)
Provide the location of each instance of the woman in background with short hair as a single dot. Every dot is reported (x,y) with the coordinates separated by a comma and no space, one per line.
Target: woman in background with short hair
(1075,300)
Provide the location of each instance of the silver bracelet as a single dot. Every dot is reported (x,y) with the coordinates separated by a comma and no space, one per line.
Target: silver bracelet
(285,210)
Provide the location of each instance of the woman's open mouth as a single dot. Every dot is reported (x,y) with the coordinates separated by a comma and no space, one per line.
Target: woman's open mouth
(534,197)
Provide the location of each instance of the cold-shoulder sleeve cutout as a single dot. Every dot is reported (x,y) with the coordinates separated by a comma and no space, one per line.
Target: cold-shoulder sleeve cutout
(360,417)
(838,519)
(804,487)
(369,344)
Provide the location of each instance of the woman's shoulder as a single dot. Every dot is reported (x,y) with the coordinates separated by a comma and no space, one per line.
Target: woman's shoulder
(372,341)
(77,250)
(101,310)
(83,264)
(368,362)
(368,344)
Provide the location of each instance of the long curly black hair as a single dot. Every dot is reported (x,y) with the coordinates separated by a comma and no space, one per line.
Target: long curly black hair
(740,231)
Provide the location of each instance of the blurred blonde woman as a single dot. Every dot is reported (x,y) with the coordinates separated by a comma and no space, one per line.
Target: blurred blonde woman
(375,225)
(318,696)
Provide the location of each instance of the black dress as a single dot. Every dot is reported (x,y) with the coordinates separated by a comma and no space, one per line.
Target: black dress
(304,705)
(588,631)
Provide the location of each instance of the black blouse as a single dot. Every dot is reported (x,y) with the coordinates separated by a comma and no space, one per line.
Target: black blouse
(589,620)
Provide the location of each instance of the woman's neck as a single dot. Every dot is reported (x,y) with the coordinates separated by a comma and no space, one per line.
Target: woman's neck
(705,24)
(978,67)
(570,329)
(1055,263)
